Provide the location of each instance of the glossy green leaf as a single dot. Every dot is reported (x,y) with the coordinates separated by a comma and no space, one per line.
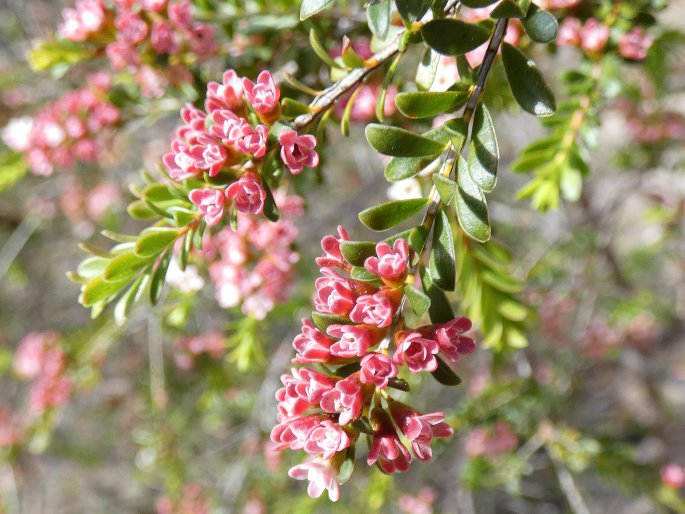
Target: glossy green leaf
(540,25)
(453,37)
(502,282)
(140,210)
(447,188)
(507,9)
(323,321)
(412,10)
(356,252)
(478,3)
(97,290)
(119,237)
(445,375)
(92,266)
(528,86)
(123,267)
(419,301)
(425,104)
(347,466)
(399,142)
(364,275)
(311,7)
(292,108)
(511,310)
(157,280)
(472,209)
(427,69)
(271,211)
(389,214)
(442,258)
(483,151)
(400,168)
(124,304)
(440,310)
(378,16)
(13,166)
(155,240)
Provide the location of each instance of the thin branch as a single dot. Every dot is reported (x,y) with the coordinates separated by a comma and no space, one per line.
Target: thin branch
(569,488)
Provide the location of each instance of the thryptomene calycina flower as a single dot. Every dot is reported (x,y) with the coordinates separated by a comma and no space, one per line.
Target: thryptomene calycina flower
(247,194)
(210,202)
(263,96)
(357,330)
(297,151)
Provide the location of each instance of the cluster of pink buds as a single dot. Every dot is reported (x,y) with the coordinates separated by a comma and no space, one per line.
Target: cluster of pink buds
(190,348)
(39,358)
(67,130)
(650,128)
(360,335)
(592,36)
(229,140)
(134,32)
(254,265)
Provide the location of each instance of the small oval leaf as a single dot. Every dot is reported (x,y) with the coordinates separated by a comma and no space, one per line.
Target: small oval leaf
(398,142)
(453,37)
(528,86)
(389,214)
(426,104)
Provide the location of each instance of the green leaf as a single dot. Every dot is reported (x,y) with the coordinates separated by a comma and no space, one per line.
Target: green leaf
(400,168)
(92,267)
(123,267)
(97,290)
(425,104)
(472,209)
(378,16)
(364,275)
(311,7)
(388,214)
(382,95)
(412,10)
(507,9)
(528,86)
(442,259)
(571,183)
(323,321)
(502,282)
(419,301)
(155,240)
(447,188)
(320,51)
(511,310)
(427,69)
(440,310)
(540,25)
(445,375)
(293,108)
(140,210)
(347,466)
(271,211)
(157,193)
(13,167)
(399,142)
(453,37)
(157,280)
(119,237)
(124,304)
(356,252)
(478,3)
(483,151)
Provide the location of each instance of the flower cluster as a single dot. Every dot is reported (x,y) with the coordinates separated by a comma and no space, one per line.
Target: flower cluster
(324,413)
(229,139)
(39,358)
(253,265)
(490,443)
(66,130)
(592,36)
(137,32)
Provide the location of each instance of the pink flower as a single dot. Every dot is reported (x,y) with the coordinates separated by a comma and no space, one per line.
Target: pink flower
(417,352)
(223,123)
(594,36)
(247,193)
(327,439)
(201,38)
(180,163)
(345,398)
(354,340)
(298,152)
(209,155)
(180,15)
(248,140)
(303,389)
(569,32)
(333,294)
(419,428)
(132,29)
(163,38)
(227,95)
(311,344)
(377,310)
(49,391)
(490,443)
(38,354)
(386,447)
(87,17)
(331,250)
(635,44)
(122,55)
(322,474)
(262,95)
(673,476)
(292,433)
(450,337)
(391,264)
(210,203)
(377,369)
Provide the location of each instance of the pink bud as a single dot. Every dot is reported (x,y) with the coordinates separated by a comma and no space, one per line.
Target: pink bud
(298,152)
(386,447)
(311,345)
(569,32)
(345,398)
(333,294)
(391,264)
(635,44)
(263,95)
(163,38)
(248,140)
(419,428)
(326,439)
(247,193)
(331,250)
(594,36)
